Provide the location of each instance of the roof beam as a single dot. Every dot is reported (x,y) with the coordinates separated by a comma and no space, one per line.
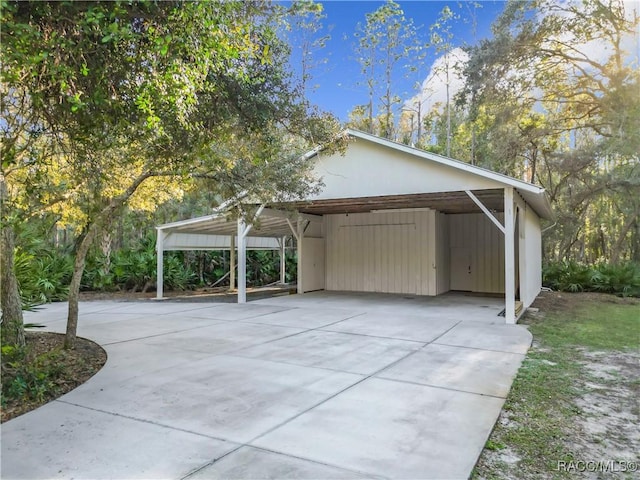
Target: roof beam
(294,230)
(485,210)
(272,212)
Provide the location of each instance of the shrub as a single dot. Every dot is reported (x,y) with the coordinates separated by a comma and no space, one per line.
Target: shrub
(623,279)
(29,379)
(43,275)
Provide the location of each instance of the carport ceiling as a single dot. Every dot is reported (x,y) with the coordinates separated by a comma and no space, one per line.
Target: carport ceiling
(448,202)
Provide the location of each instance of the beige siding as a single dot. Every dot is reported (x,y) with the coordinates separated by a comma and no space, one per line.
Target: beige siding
(314,229)
(313,264)
(475,234)
(388,172)
(392,252)
(530,257)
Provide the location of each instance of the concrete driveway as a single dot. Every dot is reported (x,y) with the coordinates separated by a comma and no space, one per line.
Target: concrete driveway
(323,385)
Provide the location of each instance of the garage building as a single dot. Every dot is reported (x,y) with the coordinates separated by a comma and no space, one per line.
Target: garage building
(395,219)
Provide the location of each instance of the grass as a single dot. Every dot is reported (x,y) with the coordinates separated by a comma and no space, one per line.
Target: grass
(539,416)
(595,327)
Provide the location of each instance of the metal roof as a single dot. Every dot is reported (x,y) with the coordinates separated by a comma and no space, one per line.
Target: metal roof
(221,224)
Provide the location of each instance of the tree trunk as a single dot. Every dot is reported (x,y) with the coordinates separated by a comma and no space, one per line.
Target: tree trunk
(74,286)
(617,248)
(104,218)
(10,302)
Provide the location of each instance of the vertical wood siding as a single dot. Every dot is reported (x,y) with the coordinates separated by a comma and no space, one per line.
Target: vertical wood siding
(390,252)
(530,257)
(443,252)
(313,264)
(485,243)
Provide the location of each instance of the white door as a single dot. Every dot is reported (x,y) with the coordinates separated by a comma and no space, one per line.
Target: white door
(312,264)
(461,275)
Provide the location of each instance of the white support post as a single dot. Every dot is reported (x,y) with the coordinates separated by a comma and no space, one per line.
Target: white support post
(299,238)
(232,261)
(283,260)
(242,262)
(160,264)
(509,258)
(243,231)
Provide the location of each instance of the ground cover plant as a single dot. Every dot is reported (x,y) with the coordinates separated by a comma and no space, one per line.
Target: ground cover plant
(42,371)
(574,400)
(621,279)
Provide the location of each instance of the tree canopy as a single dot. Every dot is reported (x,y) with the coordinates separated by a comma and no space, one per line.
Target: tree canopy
(105,99)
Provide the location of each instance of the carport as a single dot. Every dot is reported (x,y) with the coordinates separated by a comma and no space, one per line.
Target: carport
(395,219)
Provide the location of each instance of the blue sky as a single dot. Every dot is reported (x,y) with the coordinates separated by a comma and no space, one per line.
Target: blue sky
(338,91)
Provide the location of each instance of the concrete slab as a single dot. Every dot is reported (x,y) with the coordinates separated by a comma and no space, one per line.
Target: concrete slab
(234,311)
(393,429)
(142,307)
(257,464)
(123,328)
(337,351)
(304,317)
(286,375)
(134,359)
(500,338)
(225,397)
(64,441)
(393,325)
(222,337)
(465,369)
(452,305)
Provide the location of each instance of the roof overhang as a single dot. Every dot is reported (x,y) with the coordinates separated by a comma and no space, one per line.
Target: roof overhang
(445,201)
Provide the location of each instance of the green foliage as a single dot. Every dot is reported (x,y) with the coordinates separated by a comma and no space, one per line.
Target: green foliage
(29,379)
(134,269)
(491,445)
(43,275)
(572,276)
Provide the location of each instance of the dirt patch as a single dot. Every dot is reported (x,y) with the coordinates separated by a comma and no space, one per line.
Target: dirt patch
(555,302)
(586,428)
(607,426)
(47,372)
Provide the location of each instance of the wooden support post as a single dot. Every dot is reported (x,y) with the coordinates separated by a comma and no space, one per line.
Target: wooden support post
(509,258)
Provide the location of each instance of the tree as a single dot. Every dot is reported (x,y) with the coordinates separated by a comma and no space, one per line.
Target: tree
(384,41)
(125,100)
(306,34)
(560,81)
(441,40)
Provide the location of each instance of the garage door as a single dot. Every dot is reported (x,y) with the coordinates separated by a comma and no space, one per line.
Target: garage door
(377,258)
